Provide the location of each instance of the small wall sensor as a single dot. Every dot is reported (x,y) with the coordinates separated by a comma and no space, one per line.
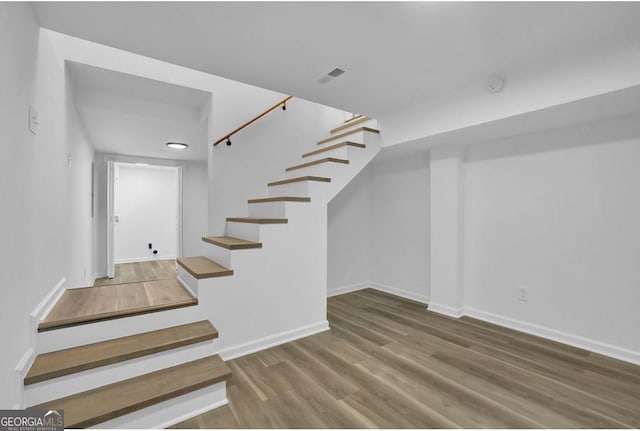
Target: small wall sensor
(494,84)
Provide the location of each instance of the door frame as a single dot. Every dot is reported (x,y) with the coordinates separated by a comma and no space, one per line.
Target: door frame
(111,161)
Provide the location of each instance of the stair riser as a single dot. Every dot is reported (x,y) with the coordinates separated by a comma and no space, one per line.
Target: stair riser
(74,336)
(187,280)
(338,153)
(300,188)
(328,169)
(173,411)
(357,137)
(269,209)
(248,231)
(82,381)
(371,123)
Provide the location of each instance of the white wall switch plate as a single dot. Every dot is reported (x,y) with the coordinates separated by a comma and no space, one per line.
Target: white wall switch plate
(523,294)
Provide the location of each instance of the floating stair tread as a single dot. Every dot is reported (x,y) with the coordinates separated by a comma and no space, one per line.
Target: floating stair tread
(258,220)
(99,405)
(64,362)
(317,162)
(231,243)
(94,304)
(280,199)
(333,147)
(300,179)
(350,123)
(201,267)
(350,132)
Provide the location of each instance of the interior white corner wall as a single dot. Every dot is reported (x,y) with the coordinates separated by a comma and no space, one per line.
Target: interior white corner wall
(19,45)
(195,197)
(556,213)
(348,233)
(80,218)
(399,225)
(260,153)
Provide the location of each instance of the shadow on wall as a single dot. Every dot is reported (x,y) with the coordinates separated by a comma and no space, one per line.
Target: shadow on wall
(592,133)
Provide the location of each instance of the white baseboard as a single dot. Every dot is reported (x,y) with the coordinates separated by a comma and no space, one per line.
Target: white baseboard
(346,289)
(272,340)
(446,310)
(555,335)
(418,297)
(144,259)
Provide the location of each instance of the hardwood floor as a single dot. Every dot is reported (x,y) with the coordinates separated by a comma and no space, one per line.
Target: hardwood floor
(389,363)
(90,304)
(136,272)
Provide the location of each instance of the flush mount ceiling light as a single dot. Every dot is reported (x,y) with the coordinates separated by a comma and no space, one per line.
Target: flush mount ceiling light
(177,145)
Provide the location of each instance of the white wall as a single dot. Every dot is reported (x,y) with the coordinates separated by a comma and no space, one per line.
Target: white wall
(349,233)
(80,223)
(46,222)
(18,43)
(558,212)
(399,227)
(379,228)
(195,209)
(146,203)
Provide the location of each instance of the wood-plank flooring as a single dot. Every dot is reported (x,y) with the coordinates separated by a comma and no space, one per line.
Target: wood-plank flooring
(78,306)
(136,272)
(389,363)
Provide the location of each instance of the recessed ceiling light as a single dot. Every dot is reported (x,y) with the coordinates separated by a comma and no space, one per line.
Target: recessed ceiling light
(177,145)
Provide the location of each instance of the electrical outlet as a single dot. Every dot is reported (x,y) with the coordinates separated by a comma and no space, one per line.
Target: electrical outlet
(523,294)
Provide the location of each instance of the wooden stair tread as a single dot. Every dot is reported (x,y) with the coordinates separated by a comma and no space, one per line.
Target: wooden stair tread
(64,362)
(231,243)
(317,162)
(201,267)
(300,179)
(258,220)
(280,199)
(350,123)
(99,405)
(350,132)
(333,147)
(94,304)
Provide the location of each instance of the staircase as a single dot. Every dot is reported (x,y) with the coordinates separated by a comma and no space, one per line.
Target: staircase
(156,366)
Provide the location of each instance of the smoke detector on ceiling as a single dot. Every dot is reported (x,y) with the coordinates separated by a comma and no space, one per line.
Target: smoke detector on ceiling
(494,84)
(331,75)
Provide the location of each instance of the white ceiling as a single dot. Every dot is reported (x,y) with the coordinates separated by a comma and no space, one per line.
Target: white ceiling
(126,114)
(395,53)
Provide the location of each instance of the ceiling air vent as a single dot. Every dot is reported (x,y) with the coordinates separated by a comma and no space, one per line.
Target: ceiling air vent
(331,75)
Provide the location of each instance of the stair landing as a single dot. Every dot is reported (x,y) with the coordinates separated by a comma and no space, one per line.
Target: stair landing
(91,304)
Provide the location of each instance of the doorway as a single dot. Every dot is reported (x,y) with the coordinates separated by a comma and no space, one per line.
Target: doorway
(144,213)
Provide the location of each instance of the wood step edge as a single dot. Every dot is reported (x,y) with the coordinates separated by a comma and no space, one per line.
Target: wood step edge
(350,132)
(60,363)
(202,267)
(100,317)
(231,243)
(333,147)
(299,179)
(350,123)
(317,162)
(280,199)
(95,406)
(258,220)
